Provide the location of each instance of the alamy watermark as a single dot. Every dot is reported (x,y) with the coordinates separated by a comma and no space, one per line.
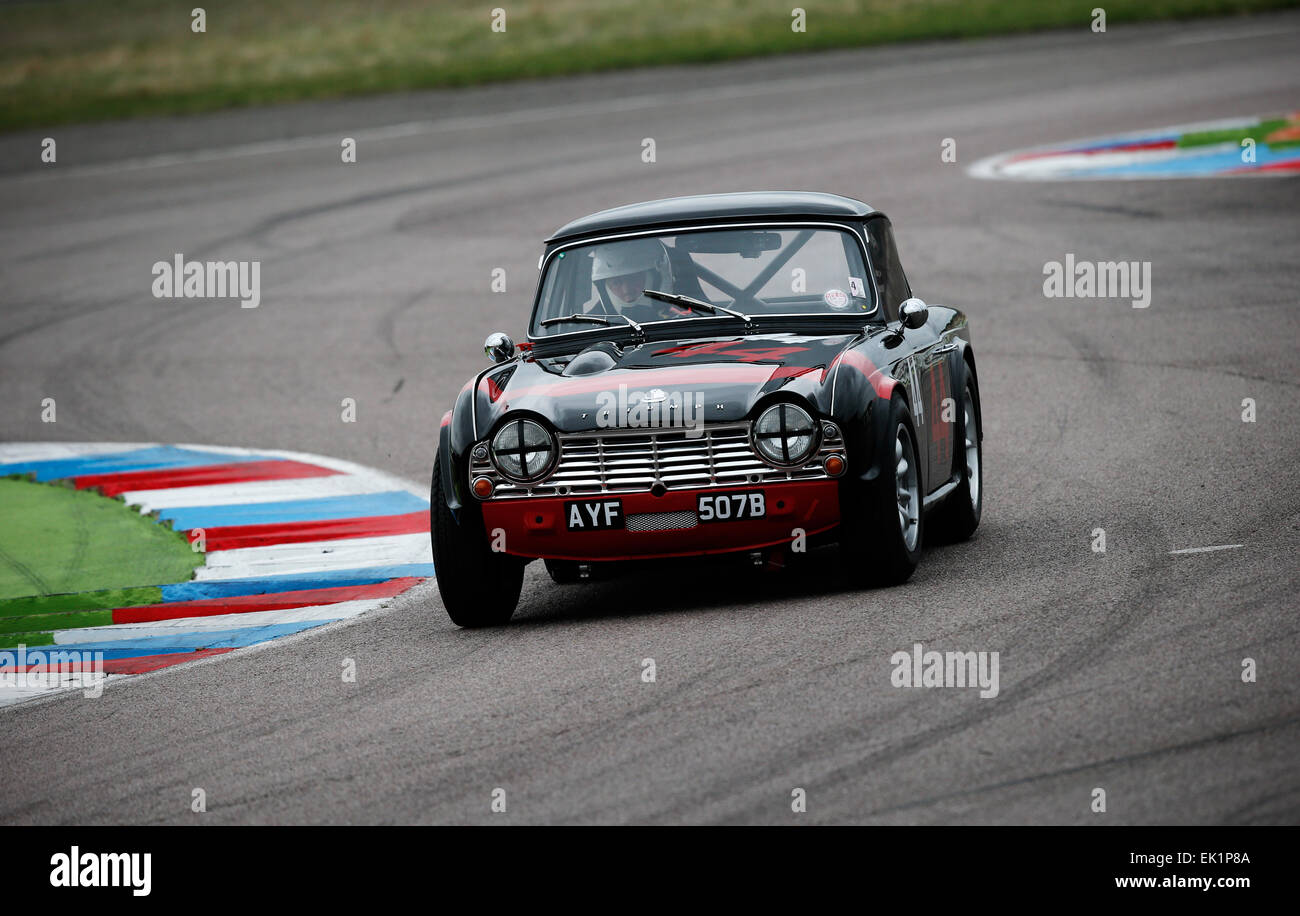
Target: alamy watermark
(182,279)
(103,869)
(49,668)
(920,668)
(653,409)
(1098,280)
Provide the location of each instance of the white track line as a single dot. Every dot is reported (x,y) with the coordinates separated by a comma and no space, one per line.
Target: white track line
(1226,36)
(1207,549)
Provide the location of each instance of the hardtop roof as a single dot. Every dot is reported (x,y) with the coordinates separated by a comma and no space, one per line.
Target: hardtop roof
(708,208)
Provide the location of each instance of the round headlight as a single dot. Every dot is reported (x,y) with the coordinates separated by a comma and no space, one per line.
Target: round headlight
(785,434)
(523,450)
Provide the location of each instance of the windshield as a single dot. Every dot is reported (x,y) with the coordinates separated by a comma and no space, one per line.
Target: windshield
(767,271)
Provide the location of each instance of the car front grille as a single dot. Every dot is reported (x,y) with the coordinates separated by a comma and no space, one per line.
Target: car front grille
(662,521)
(631,461)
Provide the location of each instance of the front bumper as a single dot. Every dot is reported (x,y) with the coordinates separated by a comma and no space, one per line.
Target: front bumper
(536,528)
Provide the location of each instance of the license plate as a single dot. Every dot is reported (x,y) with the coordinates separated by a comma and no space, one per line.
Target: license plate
(731,507)
(593,514)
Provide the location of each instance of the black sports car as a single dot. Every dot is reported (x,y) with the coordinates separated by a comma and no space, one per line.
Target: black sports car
(703,375)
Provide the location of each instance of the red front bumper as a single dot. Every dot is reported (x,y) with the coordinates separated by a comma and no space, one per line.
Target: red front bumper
(537,528)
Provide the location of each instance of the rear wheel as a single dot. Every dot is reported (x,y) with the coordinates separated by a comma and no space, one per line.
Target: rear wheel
(959,516)
(479,587)
(881,543)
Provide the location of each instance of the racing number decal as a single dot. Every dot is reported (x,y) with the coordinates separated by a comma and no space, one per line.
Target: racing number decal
(727,507)
(927,401)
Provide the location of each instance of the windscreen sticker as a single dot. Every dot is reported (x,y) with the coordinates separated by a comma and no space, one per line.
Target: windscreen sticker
(856,288)
(836,298)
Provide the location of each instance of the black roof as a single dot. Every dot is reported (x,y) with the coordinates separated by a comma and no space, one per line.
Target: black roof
(716,208)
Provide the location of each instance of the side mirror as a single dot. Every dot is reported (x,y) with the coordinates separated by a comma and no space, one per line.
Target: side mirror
(914,313)
(499,347)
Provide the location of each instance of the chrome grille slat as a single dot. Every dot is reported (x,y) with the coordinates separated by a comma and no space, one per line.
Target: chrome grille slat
(622,462)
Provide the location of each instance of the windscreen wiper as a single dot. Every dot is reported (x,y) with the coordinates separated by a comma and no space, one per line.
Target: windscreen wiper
(636,328)
(692,302)
(594,319)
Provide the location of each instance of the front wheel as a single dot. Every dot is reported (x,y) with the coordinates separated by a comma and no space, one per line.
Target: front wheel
(881,539)
(479,587)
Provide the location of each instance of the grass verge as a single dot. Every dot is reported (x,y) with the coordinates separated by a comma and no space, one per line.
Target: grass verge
(66,61)
(55,540)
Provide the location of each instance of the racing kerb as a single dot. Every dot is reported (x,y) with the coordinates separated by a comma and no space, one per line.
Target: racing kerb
(292,541)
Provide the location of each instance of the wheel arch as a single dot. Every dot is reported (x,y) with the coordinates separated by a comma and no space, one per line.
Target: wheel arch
(968,357)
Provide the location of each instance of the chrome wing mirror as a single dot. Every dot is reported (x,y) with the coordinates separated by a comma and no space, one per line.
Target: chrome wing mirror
(913,313)
(499,347)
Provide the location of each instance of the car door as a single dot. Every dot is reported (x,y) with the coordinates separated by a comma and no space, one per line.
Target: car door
(941,411)
(923,380)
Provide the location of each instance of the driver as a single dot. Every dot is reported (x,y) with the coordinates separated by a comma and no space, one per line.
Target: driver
(623,271)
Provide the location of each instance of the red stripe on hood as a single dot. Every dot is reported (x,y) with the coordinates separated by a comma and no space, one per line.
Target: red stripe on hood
(794,371)
(882,383)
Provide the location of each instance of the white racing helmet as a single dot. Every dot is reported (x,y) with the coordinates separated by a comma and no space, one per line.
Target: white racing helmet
(648,257)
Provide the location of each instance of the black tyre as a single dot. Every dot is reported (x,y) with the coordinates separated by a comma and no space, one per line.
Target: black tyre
(479,587)
(882,534)
(959,516)
(564,572)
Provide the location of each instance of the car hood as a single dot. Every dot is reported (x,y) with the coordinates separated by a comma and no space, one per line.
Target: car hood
(704,380)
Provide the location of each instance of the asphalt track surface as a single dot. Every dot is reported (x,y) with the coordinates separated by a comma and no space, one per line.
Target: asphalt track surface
(1118,670)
